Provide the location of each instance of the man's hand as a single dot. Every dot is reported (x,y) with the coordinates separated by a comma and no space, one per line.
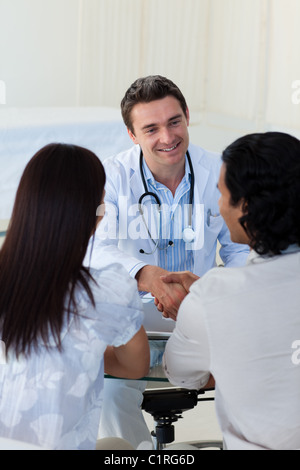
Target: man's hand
(169,289)
(167,294)
(184,278)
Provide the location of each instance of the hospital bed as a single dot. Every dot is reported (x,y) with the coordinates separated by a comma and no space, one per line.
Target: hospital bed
(23,131)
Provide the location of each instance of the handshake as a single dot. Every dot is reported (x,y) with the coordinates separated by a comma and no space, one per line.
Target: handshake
(168,289)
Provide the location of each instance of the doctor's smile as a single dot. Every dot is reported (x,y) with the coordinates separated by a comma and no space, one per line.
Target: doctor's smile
(169,149)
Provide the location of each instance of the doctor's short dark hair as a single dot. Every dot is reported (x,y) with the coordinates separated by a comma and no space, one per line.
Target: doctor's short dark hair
(263,171)
(147,89)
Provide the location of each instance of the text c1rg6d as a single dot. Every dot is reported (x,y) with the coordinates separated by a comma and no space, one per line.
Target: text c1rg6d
(171,459)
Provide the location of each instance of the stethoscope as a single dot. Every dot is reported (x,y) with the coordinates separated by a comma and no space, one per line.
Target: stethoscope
(188,233)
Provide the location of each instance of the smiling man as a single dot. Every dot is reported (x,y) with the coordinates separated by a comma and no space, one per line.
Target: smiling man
(174,183)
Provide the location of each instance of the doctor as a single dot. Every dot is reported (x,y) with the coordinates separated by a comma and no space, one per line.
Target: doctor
(162,216)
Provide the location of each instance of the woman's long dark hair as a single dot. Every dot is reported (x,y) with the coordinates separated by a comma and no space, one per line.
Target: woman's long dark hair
(263,171)
(53,218)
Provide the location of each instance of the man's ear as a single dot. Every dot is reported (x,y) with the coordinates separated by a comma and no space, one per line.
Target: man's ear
(132,136)
(187,116)
(244,206)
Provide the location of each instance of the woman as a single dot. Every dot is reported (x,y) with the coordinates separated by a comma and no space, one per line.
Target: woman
(62,325)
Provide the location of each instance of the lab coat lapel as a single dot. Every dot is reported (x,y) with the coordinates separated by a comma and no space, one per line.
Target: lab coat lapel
(136,186)
(137,189)
(201,179)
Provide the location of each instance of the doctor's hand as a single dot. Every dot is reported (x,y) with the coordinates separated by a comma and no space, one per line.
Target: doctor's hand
(169,295)
(184,278)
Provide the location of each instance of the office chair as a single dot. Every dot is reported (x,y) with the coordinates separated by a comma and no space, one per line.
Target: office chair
(166,405)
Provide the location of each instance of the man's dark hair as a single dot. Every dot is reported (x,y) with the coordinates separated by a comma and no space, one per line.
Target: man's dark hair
(263,171)
(147,89)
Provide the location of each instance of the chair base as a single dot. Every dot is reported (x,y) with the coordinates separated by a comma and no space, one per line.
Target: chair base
(166,407)
(163,438)
(196,445)
(206,444)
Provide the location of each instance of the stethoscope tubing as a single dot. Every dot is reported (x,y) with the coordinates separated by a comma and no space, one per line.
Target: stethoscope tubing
(157,199)
(155,196)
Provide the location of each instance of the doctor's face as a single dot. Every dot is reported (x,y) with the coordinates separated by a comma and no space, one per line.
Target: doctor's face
(161,129)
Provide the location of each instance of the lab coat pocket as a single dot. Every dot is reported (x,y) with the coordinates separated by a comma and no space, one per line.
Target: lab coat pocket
(213,226)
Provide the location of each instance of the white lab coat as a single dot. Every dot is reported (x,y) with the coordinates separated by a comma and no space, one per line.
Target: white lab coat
(124,184)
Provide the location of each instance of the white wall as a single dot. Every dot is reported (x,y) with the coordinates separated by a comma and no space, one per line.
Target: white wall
(236,61)
(39,51)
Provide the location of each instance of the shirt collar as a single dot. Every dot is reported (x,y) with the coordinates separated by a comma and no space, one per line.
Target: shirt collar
(150,178)
(254,257)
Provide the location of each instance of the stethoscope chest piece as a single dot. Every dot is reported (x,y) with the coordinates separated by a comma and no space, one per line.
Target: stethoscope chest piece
(188,235)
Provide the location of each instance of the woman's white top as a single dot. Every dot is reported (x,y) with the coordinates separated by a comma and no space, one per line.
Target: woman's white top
(53,399)
(243,326)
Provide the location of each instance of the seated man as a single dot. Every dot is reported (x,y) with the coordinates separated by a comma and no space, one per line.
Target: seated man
(240,326)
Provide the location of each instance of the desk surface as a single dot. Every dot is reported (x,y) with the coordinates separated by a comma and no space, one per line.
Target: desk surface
(156,374)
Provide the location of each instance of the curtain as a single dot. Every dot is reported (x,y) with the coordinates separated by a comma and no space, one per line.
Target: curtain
(235,60)
(284,66)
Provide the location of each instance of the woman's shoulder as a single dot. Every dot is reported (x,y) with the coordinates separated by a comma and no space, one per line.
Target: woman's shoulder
(113,284)
(117,314)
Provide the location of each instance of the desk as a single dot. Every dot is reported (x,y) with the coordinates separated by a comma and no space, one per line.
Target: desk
(156,373)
